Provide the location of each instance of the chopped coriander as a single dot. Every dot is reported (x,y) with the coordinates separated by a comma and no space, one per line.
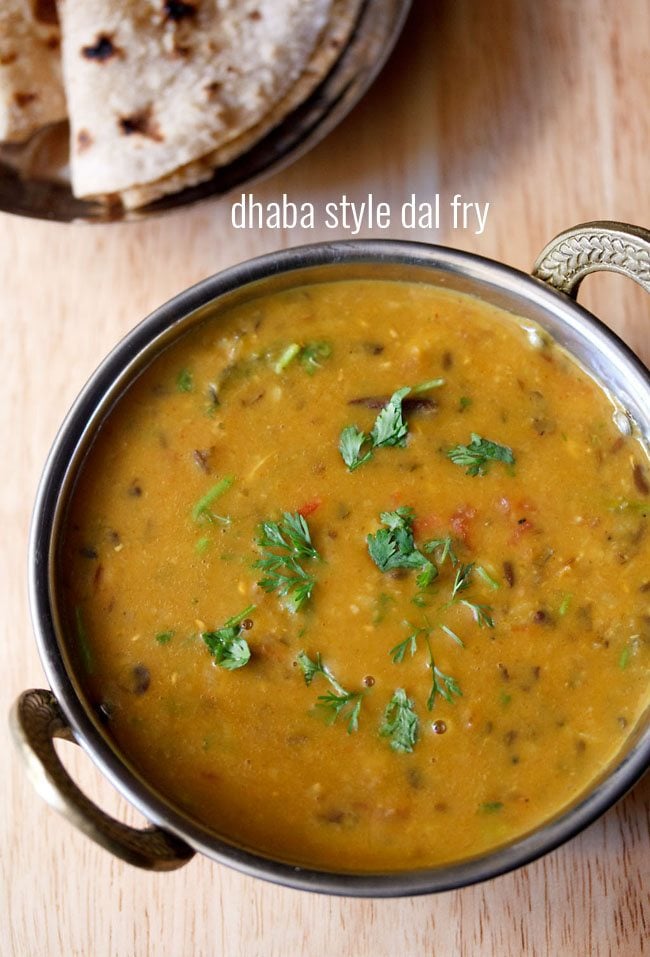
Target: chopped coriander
(629,650)
(394,546)
(462,580)
(312,355)
(400,722)
(163,637)
(476,456)
(441,684)
(443,549)
(480,613)
(184,381)
(464,403)
(351,443)
(565,604)
(426,386)
(312,668)
(389,429)
(487,578)
(489,807)
(339,703)
(201,511)
(452,634)
(226,645)
(201,545)
(342,706)
(382,604)
(410,644)
(292,543)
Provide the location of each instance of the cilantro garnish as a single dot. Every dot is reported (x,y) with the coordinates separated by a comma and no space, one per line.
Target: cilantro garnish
(312,355)
(337,703)
(226,645)
(184,381)
(475,458)
(394,546)
(287,544)
(350,444)
(400,722)
(389,429)
(441,684)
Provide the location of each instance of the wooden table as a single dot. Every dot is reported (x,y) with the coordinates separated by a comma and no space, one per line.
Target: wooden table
(539,109)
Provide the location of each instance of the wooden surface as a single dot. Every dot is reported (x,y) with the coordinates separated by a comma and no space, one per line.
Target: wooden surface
(540,109)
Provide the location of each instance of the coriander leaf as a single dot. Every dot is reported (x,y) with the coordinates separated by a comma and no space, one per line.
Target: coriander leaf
(284,573)
(226,645)
(476,456)
(394,546)
(487,578)
(427,576)
(400,722)
(312,354)
(426,386)
(480,612)
(336,706)
(184,381)
(390,427)
(310,668)
(164,637)
(463,579)
(410,643)
(443,549)
(350,444)
(452,635)
(443,685)
(339,702)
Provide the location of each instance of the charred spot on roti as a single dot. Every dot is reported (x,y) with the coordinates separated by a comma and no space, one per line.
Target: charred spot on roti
(84,141)
(255,15)
(181,50)
(53,42)
(213,89)
(8,58)
(24,99)
(177,10)
(101,50)
(45,11)
(143,123)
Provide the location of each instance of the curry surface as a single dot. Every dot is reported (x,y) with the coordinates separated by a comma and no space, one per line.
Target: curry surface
(559,541)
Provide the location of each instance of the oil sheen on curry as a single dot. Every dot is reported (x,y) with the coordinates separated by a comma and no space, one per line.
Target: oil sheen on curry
(359,576)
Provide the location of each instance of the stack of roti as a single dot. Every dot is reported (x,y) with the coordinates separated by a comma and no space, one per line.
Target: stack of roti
(31,90)
(160,93)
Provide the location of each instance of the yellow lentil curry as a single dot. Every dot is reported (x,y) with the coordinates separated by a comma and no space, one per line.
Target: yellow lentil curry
(358,575)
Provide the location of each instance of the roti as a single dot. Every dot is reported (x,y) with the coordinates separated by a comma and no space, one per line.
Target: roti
(159,95)
(31,88)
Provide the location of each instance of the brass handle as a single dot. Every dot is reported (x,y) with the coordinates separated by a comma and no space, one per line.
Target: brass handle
(36,719)
(616,247)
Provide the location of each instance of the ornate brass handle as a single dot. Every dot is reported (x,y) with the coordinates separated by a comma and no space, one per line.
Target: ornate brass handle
(617,247)
(36,719)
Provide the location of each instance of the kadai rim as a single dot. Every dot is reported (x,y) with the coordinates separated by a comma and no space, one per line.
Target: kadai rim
(546,298)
